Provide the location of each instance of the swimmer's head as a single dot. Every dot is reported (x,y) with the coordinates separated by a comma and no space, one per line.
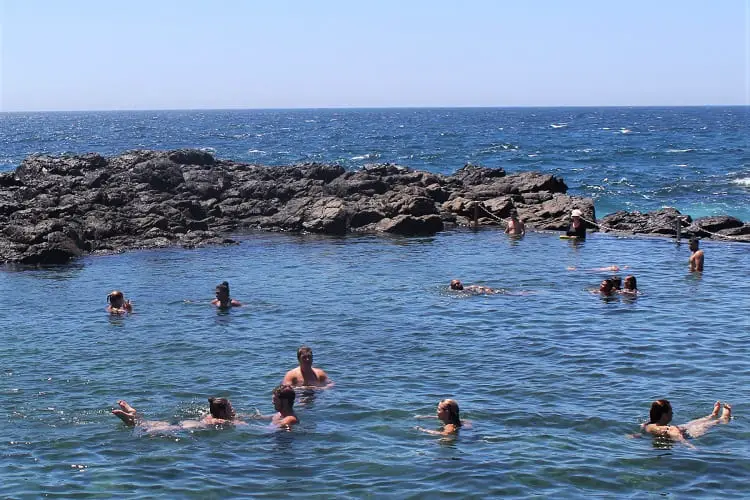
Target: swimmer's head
(616,282)
(661,412)
(448,412)
(222,291)
(304,353)
(221,408)
(694,244)
(606,286)
(514,215)
(456,285)
(115,298)
(283,394)
(631,283)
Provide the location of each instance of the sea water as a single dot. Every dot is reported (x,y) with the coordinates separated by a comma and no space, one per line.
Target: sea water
(553,379)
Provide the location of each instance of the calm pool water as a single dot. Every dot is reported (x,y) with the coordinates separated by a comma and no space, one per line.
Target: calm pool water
(553,380)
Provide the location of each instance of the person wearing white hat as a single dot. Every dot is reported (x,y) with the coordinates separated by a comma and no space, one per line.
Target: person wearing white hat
(577,226)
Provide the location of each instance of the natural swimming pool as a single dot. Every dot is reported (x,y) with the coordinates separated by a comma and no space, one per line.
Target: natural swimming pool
(553,381)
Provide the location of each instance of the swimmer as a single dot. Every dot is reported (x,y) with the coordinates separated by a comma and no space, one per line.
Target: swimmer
(630,286)
(305,374)
(283,402)
(222,300)
(515,226)
(661,414)
(606,288)
(447,413)
(696,258)
(613,268)
(616,283)
(220,413)
(118,304)
(456,285)
(577,225)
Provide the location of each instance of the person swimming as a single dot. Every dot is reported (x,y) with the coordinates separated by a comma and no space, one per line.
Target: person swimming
(220,412)
(630,286)
(448,414)
(456,285)
(697,257)
(222,300)
(117,303)
(283,397)
(660,415)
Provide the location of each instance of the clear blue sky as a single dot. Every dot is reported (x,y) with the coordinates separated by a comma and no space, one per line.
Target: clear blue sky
(170,54)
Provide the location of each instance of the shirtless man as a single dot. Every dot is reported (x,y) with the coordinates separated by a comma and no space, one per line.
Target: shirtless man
(515,226)
(305,374)
(696,259)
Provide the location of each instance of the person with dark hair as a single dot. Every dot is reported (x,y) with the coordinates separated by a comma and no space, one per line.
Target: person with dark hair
(456,285)
(696,258)
(606,288)
(305,374)
(222,300)
(660,415)
(283,397)
(220,412)
(447,413)
(616,283)
(630,286)
(117,303)
(515,226)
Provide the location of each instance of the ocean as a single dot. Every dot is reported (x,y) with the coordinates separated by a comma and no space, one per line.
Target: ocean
(553,378)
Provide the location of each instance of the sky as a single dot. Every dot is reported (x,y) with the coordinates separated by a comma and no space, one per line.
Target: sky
(189,54)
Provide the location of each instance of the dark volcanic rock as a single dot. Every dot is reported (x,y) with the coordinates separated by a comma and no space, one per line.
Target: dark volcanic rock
(662,221)
(53,209)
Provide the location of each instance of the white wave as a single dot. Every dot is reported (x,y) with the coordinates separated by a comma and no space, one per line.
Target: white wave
(368,156)
(311,121)
(558,125)
(742,181)
(680,165)
(688,150)
(606,128)
(532,155)
(256,151)
(625,131)
(209,150)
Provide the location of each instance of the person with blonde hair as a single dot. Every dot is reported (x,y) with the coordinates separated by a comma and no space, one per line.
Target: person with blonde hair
(448,414)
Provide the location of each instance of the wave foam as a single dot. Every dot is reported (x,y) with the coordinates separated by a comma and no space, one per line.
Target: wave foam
(742,181)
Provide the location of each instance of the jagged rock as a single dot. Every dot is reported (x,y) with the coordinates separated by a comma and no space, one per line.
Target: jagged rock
(663,221)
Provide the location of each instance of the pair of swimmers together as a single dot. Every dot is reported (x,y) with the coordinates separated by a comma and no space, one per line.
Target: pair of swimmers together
(615,284)
(116,303)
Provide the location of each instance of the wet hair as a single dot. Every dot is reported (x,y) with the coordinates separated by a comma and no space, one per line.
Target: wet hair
(221,408)
(115,295)
(609,285)
(616,282)
(659,408)
(632,279)
(453,416)
(285,392)
(223,286)
(694,242)
(303,349)
(456,285)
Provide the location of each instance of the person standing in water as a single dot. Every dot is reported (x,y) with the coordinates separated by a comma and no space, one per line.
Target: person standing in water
(222,300)
(696,258)
(515,226)
(577,225)
(305,374)
(117,303)
(283,397)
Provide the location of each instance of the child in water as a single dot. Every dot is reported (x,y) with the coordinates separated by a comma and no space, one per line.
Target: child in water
(660,416)
(447,413)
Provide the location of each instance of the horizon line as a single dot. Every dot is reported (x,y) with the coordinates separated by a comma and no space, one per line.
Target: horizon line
(355,108)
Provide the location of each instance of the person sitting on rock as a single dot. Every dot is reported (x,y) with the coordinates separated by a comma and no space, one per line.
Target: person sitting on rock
(696,258)
(456,285)
(660,416)
(222,300)
(220,413)
(305,374)
(515,226)
(117,303)
(577,226)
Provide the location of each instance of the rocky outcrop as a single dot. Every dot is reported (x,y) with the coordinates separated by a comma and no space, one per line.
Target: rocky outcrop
(53,209)
(665,222)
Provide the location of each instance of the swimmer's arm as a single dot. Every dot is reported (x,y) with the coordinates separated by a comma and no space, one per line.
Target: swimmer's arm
(236,303)
(288,421)
(290,379)
(429,431)
(425,416)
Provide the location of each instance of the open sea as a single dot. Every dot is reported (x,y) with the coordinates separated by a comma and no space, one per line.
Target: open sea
(553,378)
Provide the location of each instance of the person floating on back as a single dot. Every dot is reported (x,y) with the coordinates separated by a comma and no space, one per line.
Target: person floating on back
(222,300)
(305,374)
(515,226)
(117,303)
(220,412)
(456,285)
(660,416)
(696,258)
(577,227)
